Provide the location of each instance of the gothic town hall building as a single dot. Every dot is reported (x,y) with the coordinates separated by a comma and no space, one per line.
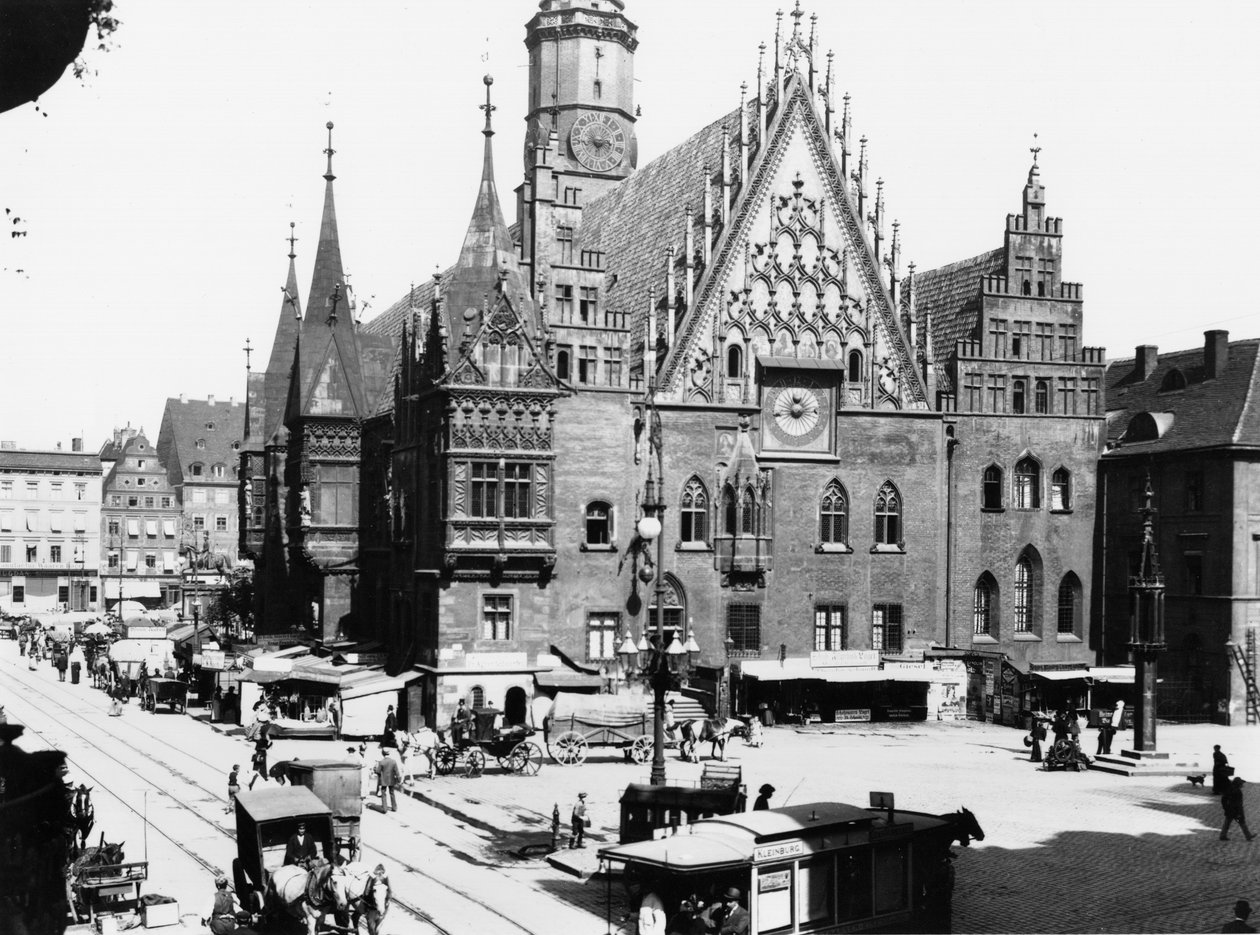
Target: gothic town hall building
(861,468)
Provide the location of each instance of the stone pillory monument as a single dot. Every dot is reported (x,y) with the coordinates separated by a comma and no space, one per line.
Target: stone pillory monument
(875,485)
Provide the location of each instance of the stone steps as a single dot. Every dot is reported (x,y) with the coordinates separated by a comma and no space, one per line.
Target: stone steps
(1135,763)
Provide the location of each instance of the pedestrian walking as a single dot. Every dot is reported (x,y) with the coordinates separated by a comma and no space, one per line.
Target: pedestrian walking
(1221,770)
(62,663)
(259,761)
(368,772)
(391,725)
(77,663)
(763,798)
(234,786)
(390,776)
(1232,806)
(579,821)
(1037,735)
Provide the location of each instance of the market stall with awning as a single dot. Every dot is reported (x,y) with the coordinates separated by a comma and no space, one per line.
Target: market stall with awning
(366,695)
(799,690)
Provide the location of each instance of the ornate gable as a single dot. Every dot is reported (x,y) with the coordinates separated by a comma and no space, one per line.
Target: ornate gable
(794,279)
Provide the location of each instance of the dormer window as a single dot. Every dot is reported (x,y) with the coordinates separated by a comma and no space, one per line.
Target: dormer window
(1174,380)
(200,444)
(209,426)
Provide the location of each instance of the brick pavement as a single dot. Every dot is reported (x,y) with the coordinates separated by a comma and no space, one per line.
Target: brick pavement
(1064,852)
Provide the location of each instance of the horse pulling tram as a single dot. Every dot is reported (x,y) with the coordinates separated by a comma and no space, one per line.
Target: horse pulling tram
(171,692)
(822,867)
(508,745)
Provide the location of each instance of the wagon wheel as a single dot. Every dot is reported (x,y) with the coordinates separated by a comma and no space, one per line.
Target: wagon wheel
(475,763)
(526,758)
(444,759)
(569,749)
(641,749)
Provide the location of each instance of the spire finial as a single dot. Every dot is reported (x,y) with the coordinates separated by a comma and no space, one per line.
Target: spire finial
(329,153)
(1035,148)
(292,238)
(248,349)
(332,302)
(487,106)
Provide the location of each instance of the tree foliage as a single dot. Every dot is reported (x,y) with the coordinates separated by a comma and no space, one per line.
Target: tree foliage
(233,607)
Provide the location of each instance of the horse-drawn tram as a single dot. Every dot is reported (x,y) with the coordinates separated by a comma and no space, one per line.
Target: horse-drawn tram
(822,867)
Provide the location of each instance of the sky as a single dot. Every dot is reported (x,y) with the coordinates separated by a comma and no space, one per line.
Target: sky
(155,195)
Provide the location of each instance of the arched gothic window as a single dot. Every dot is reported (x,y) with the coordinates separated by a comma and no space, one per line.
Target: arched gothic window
(1027,616)
(730,523)
(984,606)
(855,367)
(1027,484)
(1061,489)
(888,515)
(833,514)
(748,509)
(1069,604)
(991,488)
(734,361)
(1041,397)
(693,512)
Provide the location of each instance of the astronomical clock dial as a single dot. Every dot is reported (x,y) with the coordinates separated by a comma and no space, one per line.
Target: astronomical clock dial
(798,416)
(598,141)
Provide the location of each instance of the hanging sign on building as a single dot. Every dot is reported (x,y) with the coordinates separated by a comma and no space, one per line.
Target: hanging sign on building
(846,658)
(146,633)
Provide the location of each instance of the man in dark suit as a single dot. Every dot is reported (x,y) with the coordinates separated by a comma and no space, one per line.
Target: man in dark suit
(1242,910)
(301,849)
(734,919)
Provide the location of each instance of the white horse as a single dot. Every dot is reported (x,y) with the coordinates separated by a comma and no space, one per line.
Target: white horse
(417,749)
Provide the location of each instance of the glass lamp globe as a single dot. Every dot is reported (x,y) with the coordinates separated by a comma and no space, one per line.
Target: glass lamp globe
(649,528)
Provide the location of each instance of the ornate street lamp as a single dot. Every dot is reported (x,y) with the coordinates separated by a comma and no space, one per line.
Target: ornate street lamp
(1146,630)
(659,668)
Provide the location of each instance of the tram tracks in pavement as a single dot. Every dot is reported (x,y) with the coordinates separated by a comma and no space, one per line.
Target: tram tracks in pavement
(406,864)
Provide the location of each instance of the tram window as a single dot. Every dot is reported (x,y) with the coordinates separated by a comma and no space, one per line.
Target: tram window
(854,877)
(815,886)
(774,899)
(891,871)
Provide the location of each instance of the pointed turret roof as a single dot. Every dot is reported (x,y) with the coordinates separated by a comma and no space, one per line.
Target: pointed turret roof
(329,372)
(283,346)
(487,248)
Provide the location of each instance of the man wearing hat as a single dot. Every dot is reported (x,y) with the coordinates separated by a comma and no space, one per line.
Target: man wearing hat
(578,822)
(1232,805)
(763,800)
(732,917)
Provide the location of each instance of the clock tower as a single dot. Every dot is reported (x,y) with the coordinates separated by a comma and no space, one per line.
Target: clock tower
(581,85)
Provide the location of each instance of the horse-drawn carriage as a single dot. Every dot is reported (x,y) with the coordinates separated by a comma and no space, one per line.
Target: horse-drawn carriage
(265,884)
(509,745)
(337,784)
(171,692)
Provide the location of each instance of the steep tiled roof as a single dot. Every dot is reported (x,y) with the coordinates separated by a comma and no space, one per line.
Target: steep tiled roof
(21,459)
(948,298)
(184,423)
(633,223)
(1205,413)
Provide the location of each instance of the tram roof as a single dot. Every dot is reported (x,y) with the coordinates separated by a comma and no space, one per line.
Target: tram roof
(730,840)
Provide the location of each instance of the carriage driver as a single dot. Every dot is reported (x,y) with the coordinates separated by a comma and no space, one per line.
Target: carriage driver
(301,849)
(671,725)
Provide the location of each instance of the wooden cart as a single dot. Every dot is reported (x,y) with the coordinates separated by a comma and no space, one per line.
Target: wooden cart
(171,692)
(265,820)
(109,887)
(336,783)
(577,722)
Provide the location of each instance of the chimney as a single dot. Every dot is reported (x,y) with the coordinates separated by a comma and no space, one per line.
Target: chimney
(1215,353)
(1144,360)
(183,398)
(210,400)
(76,444)
(58,446)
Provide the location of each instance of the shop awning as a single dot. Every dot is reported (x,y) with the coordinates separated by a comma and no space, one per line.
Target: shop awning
(772,670)
(567,678)
(317,669)
(374,681)
(143,588)
(279,661)
(1060,675)
(1115,675)
(261,677)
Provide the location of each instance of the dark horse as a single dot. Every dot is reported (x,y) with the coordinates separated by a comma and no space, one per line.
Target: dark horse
(715,731)
(934,868)
(82,814)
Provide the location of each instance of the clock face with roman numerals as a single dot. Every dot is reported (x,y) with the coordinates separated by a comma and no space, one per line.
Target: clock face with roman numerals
(797,411)
(598,140)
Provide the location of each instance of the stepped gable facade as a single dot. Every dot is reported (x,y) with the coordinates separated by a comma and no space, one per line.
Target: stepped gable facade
(1187,422)
(732,314)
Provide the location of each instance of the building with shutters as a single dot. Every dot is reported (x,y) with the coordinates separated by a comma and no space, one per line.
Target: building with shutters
(50,518)
(140,526)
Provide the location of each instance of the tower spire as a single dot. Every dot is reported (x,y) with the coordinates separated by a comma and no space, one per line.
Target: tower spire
(328,175)
(487,107)
(292,240)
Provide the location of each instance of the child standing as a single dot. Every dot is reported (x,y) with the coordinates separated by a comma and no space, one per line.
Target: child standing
(234,786)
